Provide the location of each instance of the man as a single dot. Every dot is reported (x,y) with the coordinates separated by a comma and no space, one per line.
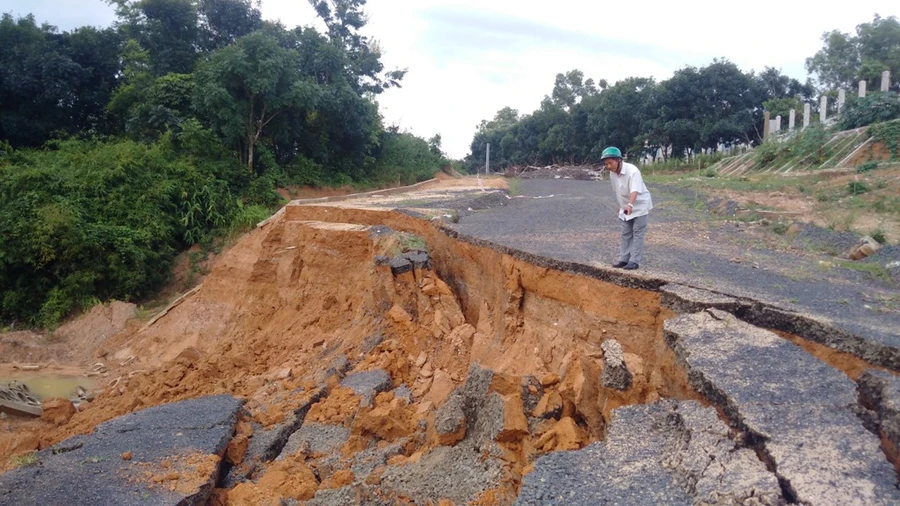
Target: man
(634,207)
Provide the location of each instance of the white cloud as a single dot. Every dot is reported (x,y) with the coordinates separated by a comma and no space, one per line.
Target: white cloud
(469,58)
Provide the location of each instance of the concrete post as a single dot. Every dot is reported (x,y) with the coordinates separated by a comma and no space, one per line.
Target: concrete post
(862,89)
(487,160)
(885,80)
(792,119)
(823,108)
(805,115)
(841,97)
(778,123)
(766,124)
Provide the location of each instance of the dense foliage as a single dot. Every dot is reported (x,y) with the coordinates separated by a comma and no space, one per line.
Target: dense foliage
(89,220)
(121,147)
(873,108)
(846,59)
(696,111)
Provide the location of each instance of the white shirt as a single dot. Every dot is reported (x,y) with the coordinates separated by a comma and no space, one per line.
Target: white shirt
(629,180)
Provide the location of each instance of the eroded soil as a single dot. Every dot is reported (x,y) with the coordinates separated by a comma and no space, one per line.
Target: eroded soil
(313,297)
(305,290)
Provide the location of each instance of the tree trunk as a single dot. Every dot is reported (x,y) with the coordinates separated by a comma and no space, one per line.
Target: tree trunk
(250,140)
(250,154)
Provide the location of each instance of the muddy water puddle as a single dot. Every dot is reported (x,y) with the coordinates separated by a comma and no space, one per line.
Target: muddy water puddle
(45,386)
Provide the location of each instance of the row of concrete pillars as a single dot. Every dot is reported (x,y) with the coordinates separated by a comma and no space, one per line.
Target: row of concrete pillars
(773,125)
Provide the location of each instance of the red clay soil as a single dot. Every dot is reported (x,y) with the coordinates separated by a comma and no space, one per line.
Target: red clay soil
(304,289)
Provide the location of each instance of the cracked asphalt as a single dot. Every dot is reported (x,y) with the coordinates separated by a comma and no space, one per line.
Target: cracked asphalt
(575,221)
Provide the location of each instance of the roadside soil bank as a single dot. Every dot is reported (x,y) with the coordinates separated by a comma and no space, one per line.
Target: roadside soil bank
(822,198)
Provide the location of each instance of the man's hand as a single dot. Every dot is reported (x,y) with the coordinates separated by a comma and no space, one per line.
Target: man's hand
(627,209)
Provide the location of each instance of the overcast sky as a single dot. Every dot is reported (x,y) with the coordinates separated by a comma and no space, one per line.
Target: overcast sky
(469,58)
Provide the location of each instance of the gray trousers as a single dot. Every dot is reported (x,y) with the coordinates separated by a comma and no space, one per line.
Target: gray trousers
(631,249)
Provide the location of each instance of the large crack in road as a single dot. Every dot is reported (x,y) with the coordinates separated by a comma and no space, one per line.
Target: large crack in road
(385,357)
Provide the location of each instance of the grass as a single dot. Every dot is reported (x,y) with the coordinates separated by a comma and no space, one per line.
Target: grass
(857,188)
(698,163)
(515,186)
(25,460)
(246,219)
(873,269)
(886,303)
(780,227)
(755,183)
(409,242)
(841,204)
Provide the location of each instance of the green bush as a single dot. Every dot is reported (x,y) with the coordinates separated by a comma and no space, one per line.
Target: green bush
(867,166)
(857,188)
(247,217)
(875,107)
(766,153)
(303,171)
(404,159)
(888,133)
(86,220)
(807,147)
(262,191)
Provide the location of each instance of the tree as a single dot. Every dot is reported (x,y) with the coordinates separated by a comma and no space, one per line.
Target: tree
(54,83)
(222,22)
(344,19)
(549,131)
(159,105)
(732,102)
(836,64)
(242,88)
(879,50)
(777,85)
(680,101)
(434,145)
(492,132)
(167,29)
(571,88)
(845,59)
(622,111)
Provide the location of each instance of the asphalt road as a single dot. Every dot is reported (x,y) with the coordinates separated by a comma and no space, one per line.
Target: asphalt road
(575,221)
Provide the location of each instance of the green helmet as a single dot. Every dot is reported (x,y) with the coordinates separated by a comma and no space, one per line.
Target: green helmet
(611,152)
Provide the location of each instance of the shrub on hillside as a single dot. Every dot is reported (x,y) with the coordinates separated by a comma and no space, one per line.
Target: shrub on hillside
(873,108)
(84,221)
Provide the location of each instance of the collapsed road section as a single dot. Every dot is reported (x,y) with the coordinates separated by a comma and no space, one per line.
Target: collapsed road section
(379,357)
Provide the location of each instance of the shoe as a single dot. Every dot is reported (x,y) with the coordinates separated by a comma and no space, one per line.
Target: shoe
(631,266)
(619,265)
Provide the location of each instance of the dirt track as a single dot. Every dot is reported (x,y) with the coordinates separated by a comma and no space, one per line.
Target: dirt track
(520,287)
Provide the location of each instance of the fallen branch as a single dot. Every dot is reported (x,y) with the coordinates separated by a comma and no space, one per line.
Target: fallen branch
(171,306)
